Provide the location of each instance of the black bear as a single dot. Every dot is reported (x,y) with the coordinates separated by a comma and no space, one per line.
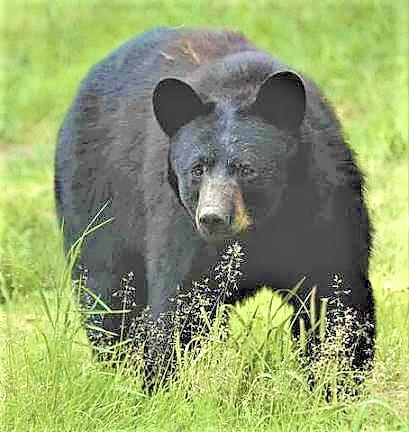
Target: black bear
(192,139)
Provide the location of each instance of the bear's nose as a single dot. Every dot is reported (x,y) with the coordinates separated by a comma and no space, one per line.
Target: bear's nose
(213,222)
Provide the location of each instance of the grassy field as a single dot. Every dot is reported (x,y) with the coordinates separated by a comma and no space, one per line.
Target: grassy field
(357,51)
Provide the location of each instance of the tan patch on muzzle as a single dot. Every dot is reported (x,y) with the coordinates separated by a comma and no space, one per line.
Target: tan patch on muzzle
(241,218)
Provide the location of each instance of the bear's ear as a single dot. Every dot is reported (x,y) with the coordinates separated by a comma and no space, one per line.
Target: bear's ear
(281,100)
(175,103)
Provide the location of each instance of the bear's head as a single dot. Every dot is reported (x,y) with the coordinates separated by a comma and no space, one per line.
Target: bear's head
(227,160)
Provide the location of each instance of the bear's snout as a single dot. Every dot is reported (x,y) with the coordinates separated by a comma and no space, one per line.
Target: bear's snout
(213,222)
(220,211)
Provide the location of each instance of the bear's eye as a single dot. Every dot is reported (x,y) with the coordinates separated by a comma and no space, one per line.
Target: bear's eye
(246,171)
(198,170)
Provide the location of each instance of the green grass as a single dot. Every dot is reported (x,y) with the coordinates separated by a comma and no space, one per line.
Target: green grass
(357,51)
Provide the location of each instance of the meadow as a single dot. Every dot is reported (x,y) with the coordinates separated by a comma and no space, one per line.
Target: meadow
(357,51)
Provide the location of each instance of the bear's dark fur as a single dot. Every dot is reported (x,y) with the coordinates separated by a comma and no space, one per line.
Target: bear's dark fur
(192,139)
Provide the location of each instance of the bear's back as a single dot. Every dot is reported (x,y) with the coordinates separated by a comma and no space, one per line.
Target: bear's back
(144,60)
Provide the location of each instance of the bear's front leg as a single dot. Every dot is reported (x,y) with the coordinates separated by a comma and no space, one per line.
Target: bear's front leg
(170,252)
(342,341)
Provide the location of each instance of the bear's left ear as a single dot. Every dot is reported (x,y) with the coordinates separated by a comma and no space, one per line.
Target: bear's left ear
(175,103)
(281,100)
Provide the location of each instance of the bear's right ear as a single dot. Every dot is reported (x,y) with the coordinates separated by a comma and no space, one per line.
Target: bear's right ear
(175,103)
